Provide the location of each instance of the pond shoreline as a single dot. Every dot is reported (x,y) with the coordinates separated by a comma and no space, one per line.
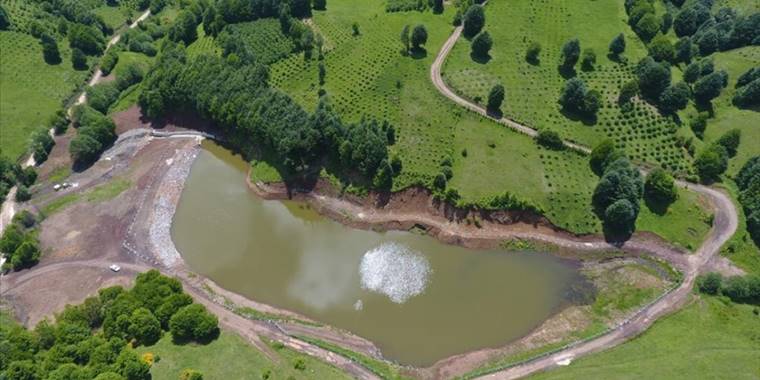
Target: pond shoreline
(352,213)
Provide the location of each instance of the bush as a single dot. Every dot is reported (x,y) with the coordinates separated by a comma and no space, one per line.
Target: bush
(621,216)
(749,95)
(534,49)
(617,45)
(495,98)
(571,51)
(419,36)
(675,97)
(628,91)
(550,139)
(698,123)
(78,59)
(108,62)
(589,59)
(482,44)
(661,49)
(653,77)
(659,187)
(730,141)
(50,50)
(87,39)
(710,283)
(193,322)
(600,156)
(709,87)
(23,194)
(102,95)
(474,19)
(711,163)
(191,374)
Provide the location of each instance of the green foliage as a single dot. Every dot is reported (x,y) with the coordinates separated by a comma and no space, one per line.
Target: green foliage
(533,51)
(740,289)
(190,374)
(684,50)
(730,141)
(709,86)
(19,243)
(748,181)
(482,44)
(675,97)
(474,19)
(698,123)
(193,322)
(654,77)
(495,98)
(184,28)
(50,51)
(601,154)
(571,51)
(419,36)
(617,45)
(144,327)
(108,62)
(102,95)
(261,41)
(711,163)
(629,90)
(550,139)
(86,38)
(575,97)
(659,188)
(78,59)
(616,197)
(95,133)
(661,49)
(405,5)
(589,59)
(5,21)
(748,89)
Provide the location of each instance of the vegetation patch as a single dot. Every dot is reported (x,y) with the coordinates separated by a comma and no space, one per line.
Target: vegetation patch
(378,367)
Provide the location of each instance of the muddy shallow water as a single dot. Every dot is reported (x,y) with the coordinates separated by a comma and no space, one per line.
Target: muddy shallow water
(417,299)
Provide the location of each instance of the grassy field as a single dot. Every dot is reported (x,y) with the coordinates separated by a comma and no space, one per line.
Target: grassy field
(32,90)
(707,340)
(229,357)
(727,116)
(532,90)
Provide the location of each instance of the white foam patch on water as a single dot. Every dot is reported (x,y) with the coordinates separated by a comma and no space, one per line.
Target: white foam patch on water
(394,270)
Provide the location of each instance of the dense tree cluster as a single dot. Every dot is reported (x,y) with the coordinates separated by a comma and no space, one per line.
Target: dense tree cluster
(708,87)
(748,89)
(95,339)
(19,244)
(95,133)
(616,197)
(748,182)
(253,116)
(102,95)
(675,97)
(617,45)
(642,18)
(740,289)
(723,30)
(419,36)
(575,97)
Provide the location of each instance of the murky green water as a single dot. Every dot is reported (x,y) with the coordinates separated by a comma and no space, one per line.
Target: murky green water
(417,299)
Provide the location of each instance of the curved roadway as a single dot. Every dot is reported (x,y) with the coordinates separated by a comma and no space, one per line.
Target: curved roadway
(724,226)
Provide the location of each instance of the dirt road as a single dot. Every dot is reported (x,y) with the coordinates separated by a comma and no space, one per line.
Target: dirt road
(724,226)
(251,330)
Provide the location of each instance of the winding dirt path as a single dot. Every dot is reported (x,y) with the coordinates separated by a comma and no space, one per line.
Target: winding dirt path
(724,226)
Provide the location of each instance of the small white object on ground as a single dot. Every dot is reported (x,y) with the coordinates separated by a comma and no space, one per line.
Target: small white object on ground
(57,187)
(114,267)
(107,158)
(564,360)
(358,305)
(588,244)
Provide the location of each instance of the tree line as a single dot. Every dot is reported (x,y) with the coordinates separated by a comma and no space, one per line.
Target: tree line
(254,117)
(748,182)
(95,339)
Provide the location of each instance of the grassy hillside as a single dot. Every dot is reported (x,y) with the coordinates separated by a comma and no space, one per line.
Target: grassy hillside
(533,88)
(229,357)
(707,340)
(32,90)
